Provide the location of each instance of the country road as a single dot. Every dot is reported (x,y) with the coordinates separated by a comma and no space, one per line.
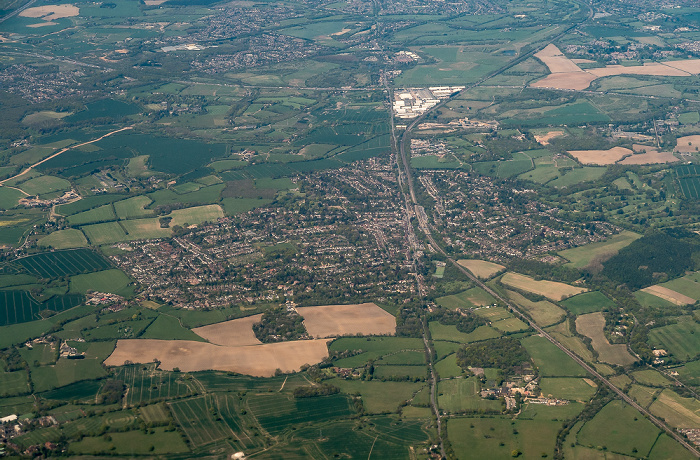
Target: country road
(63,150)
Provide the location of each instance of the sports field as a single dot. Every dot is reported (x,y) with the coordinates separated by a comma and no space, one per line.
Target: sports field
(591,325)
(550,289)
(338,320)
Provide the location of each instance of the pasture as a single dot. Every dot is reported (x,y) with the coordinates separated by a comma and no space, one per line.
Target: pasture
(14,383)
(568,388)
(687,286)
(379,397)
(551,289)
(481,268)
(588,302)
(449,333)
(550,360)
(473,297)
(544,313)
(592,325)
(459,395)
(448,368)
(166,327)
(618,427)
(44,184)
(133,208)
(682,340)
(190,356)
(113,281)
(64,239)
(651,378)
(157,442)
(498,437)
(678,412)
(62,263)
(100,214)
(338,320)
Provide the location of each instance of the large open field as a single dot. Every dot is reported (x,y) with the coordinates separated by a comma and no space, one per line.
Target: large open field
(682,340)
(499,437)
(568,388)
(64,239)
(474,297)
(188,356)
(62,263)
(550,289)
(234,333)
(679,412)
(337,320)
(587,302)
(550,360)
(601,157)
(481,268)
(544,313)
(669,295)
(591,325)
(584,256)
(618,427)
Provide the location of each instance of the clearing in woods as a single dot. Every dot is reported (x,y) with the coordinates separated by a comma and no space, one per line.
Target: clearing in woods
(337,320)
(550,289)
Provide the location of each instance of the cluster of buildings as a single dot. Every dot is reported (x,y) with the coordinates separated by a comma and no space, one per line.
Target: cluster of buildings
(344,240)
(412,102)
(498,222)
(36,202)
(40,85)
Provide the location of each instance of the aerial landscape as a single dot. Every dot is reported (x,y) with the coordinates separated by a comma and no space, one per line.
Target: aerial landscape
(321,229)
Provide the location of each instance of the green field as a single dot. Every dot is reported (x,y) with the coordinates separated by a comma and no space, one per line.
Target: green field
(448,367)
(379,397)
(568,388)
(510,325)
(44,184)
(133,208)
(473,297)
(582,256)
(462,395)
(64,239)
(276,412)
(588,302)
(100,214)
(550,360)
(9,198)
(544,313)
(167,327)
(62,263)
(682,340)
(14,383)
(450,333)
(113,281)
(499,437)
(106,233)
(159,441)
(619,428)
(651,377)
(677,411)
